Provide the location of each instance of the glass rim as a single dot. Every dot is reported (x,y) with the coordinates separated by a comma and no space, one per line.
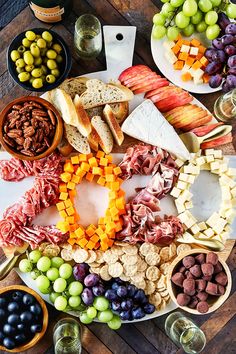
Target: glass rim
(96,21)
(196,329)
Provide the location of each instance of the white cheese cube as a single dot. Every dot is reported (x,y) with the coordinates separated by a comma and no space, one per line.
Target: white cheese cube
(219,226)
(181,185)
(170,57)
(188,205)
(215,165)
(175,192)
(230,213)
(187,236)
(185,195)
(179,206)
(209,152)
(206,167)
(223,167)
(218,154)
(184,48)
(210,158)
(213,219)
(183,177)
(208,232)
(222,212)
(185,68)
(227,204)
(224,236)
(191,179)
(194,51)
(200,160)
(228,229)
(233,191)
(191,169)
(179,162)
(195,229)
(192,156)
(168,44)
(225,191)
(202,225)
(231,171)
(197,81)
(224,179)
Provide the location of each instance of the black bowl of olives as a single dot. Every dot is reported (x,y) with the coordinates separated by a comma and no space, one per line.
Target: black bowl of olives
(23,318)
(38,59)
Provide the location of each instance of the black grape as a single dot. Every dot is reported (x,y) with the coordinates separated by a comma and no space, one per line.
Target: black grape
(223,20)
(219,56)
(215,80)
(230,50)
(231,80)
(217,43)
(227,39)
(212,68)
(232,71)
(209,53)
(231,29)
(232,61)
(225,87)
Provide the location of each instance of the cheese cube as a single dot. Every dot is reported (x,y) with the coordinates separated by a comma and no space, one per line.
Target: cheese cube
(179,206)
(191,169)
(209,152)
(202,225)
(200,160)
(179,162)
(185,195)
(181,185)
(197,81)
(185,69)
(191,179)
(187,219)
(215,165)
(208,232)
(195,229)
(233,191)
(213,219)
(206,167)
(210,158)
(225,191)
(194,51)
(168,44)
(231,171)
(188,205)
(187,236)
(230,213)
(185,48)
(222,212)
(227,204)
(217,154)
(223,167)
(228,229)
(183,177)
(198,74)
(175,192)
(224,236)
(224,179)
(219,226)
(170,57)
(192,156)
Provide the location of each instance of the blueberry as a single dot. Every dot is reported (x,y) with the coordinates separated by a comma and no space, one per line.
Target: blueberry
(13,319)
(17,296)
(3,302)
(26,317)
(36,309)
(98,290)
(110,294)
(21,327)
(127,304)
(8,329)
(125,315)
(28,299)
(13,307)
(114,286)
(2,314)
(116,306)
(121,291)
(9,343)
(140,296)
(36,328)
(20,338)
(131,289)
(149,308)
(138,313)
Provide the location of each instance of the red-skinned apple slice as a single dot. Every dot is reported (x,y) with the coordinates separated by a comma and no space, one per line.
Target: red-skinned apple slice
(132,71)
(156,91)
(184,111)
(144,82)
(189,119)
(166,93)
(158,83)
(169,103)
(197,123)
(138,82)
(217,142)
(146,75)
(201,131)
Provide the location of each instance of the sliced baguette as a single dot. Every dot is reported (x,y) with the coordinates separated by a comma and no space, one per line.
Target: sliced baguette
(120,110)
(84,124)
(95,111)
(76,139)
(113,124)
(63,102)
(104,133)
(93,140)
(75,85)
(98,93)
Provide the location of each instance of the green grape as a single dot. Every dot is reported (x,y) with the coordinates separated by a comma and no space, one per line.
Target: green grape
(52,274)
(35,274)
(176,3)
(75,288)
(212,32)
(231,11)
(60,303)
(42,282)
(65,271)
(36,254)
(201,26)
(205,5)
(211,17)
(165,1)
(115,322)
(159,19)
(195,19)
(189,30)
(216,2)
(190,8)
(74,301)
(105,316)
(167,10)
(172,33)
(44,264)
(53,296)
(101,303)
(15,55)
(59,285)
(181,20)
(91,312)
(25,266)
(158,32)
(85,319)
(57,262)
(45,291)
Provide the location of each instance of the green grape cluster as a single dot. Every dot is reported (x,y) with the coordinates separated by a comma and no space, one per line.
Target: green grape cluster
(189,16)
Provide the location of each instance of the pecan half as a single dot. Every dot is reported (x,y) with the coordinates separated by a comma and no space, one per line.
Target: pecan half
(27,152)
(29,131)
(39,112)
(8,140)
(14,133)
(52,117)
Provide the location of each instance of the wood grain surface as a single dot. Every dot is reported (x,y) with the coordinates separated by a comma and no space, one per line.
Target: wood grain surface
(144,337)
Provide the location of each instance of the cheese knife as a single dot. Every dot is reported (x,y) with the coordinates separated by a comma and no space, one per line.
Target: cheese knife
(12,254)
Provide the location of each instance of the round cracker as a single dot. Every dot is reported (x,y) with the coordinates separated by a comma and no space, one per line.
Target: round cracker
(67,255)
(164,268)
(172,250)
(99,258)
(152,259)
(142,265)
(138,277)
(153,273)
(51,251)
(164,293)
(164,253)
(129,259)
(146,248)
(115,269)
(117,250)
(155,299)
(94,265)
(80,255)
(110,257)
(183,247)
(120,243)
(150,287)
(92,256)
(94,270)
(104,273)
(131,250)
(130,270)
(124,277)
(140,285)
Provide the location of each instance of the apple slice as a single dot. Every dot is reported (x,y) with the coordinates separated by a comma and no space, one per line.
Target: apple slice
(132,71)
(201,131)
(189,119)
(140,82)
(197,123)
(173,101)
(187,110)
(144,75)
(158,90)
(217,142)
(165,93)
(151,86)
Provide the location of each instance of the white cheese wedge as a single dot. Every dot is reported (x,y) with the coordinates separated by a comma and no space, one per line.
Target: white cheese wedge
(147,124)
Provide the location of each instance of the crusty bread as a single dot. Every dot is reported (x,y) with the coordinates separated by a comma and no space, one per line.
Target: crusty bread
(104,133)
(95,111)
(98,94)
(120,110)
(93,140)
(113,124)
(75,85)
(63,102)
(76,139)
(84,124)
(64,147)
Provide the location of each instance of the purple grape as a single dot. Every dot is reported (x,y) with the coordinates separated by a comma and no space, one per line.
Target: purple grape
(111,295)
(121,291)
(225,87)
(116,306)
(215,80)
(231,29)
(149,308)
(87,296)
(227,39)
(232,61)
(80,271)
(223,20)
(219,56)
(91,280)
(119,281)
(138,313)
(131,289)
(217,43)
(115,286)
(212,68)
(231,81)
(209,53)
(98,290)
(232,71)
(125,316)
(140,296)
(230,50)
(127,304)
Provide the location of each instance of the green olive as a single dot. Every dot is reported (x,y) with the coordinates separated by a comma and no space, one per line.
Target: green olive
(43,51)
(20,70)
(37,72)
(28,58)
(21,49)
(24,76)
(30,35)
(55,72)
(35,51)
(50,79)
(38,61)
(44,69)
(51,64)
(37,37)
(26,43)
(51,54)
(37,83)
(41,43)
(59,59)
(15,55)
(20,63)
(47,36)
(29,68)
(57,47)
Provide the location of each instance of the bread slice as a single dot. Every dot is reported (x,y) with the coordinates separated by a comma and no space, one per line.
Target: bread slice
(76,139)
(84,124)
(104,133)
(63,102)
(113,124)
(75,85)
(93,140)
(120,110)
(98,94)
(95,111)
(64,147)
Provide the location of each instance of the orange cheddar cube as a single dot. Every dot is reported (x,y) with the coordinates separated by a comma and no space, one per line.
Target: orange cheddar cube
(112,195)
(117,170)
(70,219)
(68,167)
(79,232)
(68,203)
(83,242)
(110,178)
(110,242)
(122,212)
(115,217)
(89,155)
(94,238)
(63,214)
(89,176)
(63,226)
(82,157)
(204,61)
(178,65)
(183,56)
(107,219)
(72,235)
(97,171)
(63,196)
(186,42)
(76,179)
(199,56)
(202,49)
(85,166)
(72,194)
(99,231)
(112,203)
(176,49)
(109,158)
(66,176)
(190,61)
(80,172)
(206,78)
(103,161)
(101,221)
(115,186)
(75,160)
(70,211)
(60,206)
(104,237)
(101,181)
(90,231)
(90,245)
(73,228)
(120,180)
(186,77)
(179,43)
(107,213)
(71,185)
(195,42)
(121,193)
(104,246)
(100,154)
(108,170)
(197,65)
(71,241)
(93,162)
(120,203)
(62,187)
(114,211)
(118,227)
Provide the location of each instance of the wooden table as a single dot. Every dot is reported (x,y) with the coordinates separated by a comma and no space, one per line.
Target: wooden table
(145,337)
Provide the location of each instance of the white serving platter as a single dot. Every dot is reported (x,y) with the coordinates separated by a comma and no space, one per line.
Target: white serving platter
(158,54)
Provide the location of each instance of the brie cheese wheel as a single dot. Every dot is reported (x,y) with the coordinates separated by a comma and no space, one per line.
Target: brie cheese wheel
(147,124)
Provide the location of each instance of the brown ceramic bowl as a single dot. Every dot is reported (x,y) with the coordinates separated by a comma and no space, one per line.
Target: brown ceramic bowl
(57,136)
(37,336)
(214,302)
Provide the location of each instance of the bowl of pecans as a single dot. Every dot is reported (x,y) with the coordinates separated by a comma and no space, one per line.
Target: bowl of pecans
(30,128)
